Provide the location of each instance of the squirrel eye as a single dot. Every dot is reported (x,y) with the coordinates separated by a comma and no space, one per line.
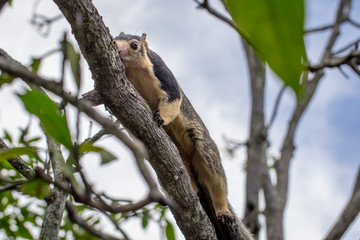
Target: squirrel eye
(134,45)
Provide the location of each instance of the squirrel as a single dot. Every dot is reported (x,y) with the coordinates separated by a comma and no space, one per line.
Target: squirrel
(150,76)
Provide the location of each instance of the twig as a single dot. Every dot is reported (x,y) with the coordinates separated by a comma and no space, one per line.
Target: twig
(19,165)
(102,132)
(74,217)
(354,23)
(116,225)
(323,28)
(332,62)
(42,22)
(205,5)
(319,29)
(354,63)
(348,215)
(276,107)
(346,47)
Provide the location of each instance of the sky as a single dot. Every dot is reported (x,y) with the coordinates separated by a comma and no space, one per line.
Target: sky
(208,60)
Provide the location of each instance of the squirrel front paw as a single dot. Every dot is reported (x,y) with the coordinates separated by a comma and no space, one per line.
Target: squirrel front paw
(158,119)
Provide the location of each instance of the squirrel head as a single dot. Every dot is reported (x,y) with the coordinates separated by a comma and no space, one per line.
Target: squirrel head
(132,49)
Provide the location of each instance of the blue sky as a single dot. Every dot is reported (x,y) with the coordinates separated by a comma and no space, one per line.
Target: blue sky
(207,58)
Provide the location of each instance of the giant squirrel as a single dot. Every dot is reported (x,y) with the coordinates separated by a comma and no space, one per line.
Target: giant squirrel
(173,111)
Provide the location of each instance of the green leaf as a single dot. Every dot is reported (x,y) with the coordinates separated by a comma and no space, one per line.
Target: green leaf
(74,59)
(275,29)
(7,136)
(52,121)
(36,188)
(16,152)
(35,64)
(106,156)
(5,78)
(89,147)
(145,218)
(35,139)
(169,231)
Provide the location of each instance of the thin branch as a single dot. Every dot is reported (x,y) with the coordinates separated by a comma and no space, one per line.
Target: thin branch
(343,10)
(94,202)
(356,24)
(205,5)
(319,29)
(346,47)
(348,215)
(41,22)
(337,61)
(75,218)
(354,64)
(276,107)
(19,165)
(116,225)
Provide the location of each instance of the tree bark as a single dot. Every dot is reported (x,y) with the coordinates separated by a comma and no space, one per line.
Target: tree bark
(56,202)
(256,144)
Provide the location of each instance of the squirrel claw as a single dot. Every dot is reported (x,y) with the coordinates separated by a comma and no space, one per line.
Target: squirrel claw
(226,218)
(158,118)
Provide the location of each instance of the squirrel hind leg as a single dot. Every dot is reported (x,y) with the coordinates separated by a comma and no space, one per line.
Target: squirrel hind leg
(210,175)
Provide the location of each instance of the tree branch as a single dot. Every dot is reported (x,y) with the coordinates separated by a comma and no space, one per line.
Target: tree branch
(56,202)
(338,61)
(348,215)
(75,218)
(257,142)
(276,107)
(19,165)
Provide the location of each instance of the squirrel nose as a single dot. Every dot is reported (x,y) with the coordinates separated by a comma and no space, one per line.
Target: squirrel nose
(121,49)
(122,54)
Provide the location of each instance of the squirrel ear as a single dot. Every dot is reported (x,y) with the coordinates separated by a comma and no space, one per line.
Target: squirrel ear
(143,40)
